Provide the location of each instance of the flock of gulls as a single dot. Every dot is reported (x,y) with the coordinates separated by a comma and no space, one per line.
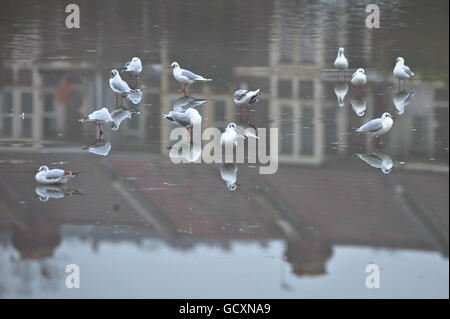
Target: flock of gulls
(184,112)
(379,126)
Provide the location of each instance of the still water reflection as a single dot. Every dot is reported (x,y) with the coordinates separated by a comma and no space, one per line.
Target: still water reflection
(159,229)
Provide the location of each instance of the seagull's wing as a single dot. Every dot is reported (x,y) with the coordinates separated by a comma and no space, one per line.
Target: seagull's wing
(55,174)
(190,75)
(372,126)
(240,94)
(120,85)
(408,70)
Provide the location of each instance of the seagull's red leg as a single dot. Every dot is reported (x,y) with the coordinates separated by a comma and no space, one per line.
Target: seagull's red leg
(248,113)
(100,131)
(240,112)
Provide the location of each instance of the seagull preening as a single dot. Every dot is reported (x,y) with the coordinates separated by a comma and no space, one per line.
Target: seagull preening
(134,66)
(245,97)
(119,86)
(359,78)
(186,77)
(378,160)
(53,176)
(402,72)
(341,63)
(188,119)
(378,127)
(100,117)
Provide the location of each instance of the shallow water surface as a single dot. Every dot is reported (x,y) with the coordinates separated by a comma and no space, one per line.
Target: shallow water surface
(139,225)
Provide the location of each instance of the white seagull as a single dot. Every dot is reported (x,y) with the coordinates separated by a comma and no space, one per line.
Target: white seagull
(119,86)
(53,176)
(233,131)
(402,72)
(378,127)
(134,66)
(359,78)
(341,89)
(186,77)
(246,97)
(228,172)
(378,160)
(188,119)
(341,62)
(401,100)
(100,117)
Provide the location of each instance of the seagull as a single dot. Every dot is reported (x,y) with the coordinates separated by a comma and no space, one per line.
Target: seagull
(233,132)
(228,172)
(230,135)
(99,147)
(188,119)
(45,192)
(378,127)
(359,105)
(53,176)
(100,116)
(378,160)
(187,102)
(401,100)
(134,66)
(245,97)
(402,72)
(341,62)
(119,115)
(119,86)
(341,89)
(359,78)
(186,77)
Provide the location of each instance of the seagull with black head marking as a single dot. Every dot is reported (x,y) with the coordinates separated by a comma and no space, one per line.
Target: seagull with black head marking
(119,86)
(186,77)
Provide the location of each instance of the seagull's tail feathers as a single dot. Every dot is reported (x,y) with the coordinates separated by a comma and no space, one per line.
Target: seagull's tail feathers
(167,116)
(359,130)
(77,173)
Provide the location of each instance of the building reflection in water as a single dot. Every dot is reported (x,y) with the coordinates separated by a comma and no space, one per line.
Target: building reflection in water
(320,196)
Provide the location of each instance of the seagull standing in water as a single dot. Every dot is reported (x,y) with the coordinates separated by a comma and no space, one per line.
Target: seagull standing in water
(402,72)
(186,77)
(341,62)
(378,127)
(359,78)
(245,97)
(135,67)
(100,116)
(188,119)
(53,176)
(119,86)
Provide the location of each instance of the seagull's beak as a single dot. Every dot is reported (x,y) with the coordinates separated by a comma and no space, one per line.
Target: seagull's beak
(170,67)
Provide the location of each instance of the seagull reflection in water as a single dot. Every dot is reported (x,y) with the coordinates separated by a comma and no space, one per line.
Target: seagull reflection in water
(46,192)
(378,160)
